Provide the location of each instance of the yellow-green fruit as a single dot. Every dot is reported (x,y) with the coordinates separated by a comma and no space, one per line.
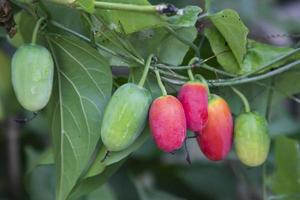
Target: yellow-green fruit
(251,138)
(32,76)
(125,116)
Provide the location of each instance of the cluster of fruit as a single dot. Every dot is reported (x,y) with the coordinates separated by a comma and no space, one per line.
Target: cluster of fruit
(207,115)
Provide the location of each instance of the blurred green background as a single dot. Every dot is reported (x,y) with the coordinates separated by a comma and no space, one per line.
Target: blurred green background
(150,174)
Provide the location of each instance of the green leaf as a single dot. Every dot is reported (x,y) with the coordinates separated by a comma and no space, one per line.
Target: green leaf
(285,180)
(24,24)
(104,192)
(259,54)
(88,185)
(188,19)
(46,158)
(173,51)
(114,157)
(84,87)
(229,24)
(42,183)
(149,193)
(224,55)
(130,22)
(87,5)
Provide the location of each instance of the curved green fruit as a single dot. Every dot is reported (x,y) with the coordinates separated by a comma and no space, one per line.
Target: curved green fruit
(252,139)
(125,116)
(32,76)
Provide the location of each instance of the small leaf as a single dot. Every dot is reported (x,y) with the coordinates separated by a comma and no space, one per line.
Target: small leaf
(188,19)
(259,54)
(285,180)
(229,24)
(114,157)
(224,55)
(84,87)
(46,158)
(90,184)
(87,5)
(173,51)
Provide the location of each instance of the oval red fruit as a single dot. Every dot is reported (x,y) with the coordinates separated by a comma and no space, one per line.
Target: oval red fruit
(194,99)
(215,140)
(167,123)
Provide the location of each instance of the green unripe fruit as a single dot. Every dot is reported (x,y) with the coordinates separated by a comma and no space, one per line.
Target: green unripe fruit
(125,116)
(32,76)
(252,139)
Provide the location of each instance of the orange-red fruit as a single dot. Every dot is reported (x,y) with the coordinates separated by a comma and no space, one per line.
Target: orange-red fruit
(215,140)
(194,99)
(167,123)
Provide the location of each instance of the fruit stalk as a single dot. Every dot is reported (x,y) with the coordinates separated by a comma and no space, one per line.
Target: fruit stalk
(243,98)
(160,84)
(146,70)
(36,30)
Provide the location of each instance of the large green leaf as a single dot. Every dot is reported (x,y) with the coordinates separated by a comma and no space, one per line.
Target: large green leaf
(285,181)
(229,24)
(84,87)
(130,22)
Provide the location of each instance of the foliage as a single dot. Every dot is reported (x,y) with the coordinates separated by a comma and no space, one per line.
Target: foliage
(96,49)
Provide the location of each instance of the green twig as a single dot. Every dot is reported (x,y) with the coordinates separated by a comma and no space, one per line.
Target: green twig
(125,7)
(224,82)
(243,98)
(146,70)
(36,30)
(160,84)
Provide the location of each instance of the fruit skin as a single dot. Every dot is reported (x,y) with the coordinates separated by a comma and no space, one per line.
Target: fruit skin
(32,76)
(167,123)
(252,141)
(194,99)
(125,116)
(215,140)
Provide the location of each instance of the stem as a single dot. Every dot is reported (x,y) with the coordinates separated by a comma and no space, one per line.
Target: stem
(146,70)
(36,30)
(269,100)
(190,73)
(160,84)
(255,78)
(243,98)
(125,7)
(183,40)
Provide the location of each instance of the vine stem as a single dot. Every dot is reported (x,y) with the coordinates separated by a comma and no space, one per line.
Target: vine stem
(243,98)
(160,84)
(146,70)
(125,7)
(36,30)
(255,78)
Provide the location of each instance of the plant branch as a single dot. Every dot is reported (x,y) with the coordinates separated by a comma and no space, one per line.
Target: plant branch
(241,80)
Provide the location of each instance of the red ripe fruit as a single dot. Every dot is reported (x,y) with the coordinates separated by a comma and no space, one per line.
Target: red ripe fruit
(215,140)
(194,99)
(167,123)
